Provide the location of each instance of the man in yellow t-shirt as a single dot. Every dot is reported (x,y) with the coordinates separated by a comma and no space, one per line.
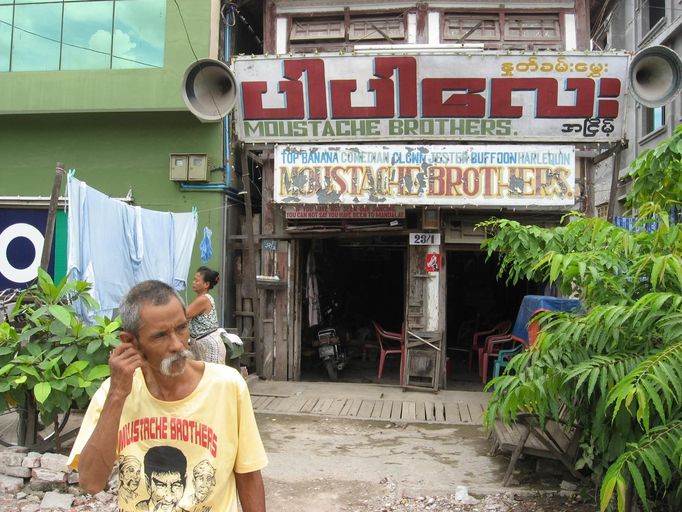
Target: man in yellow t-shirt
(186,427)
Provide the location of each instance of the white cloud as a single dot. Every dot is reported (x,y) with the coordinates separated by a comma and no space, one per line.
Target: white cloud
(100,41)
(123,44)
(145,19)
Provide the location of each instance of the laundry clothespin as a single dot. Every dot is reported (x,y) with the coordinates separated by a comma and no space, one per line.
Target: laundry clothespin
(194,211)
(71,173)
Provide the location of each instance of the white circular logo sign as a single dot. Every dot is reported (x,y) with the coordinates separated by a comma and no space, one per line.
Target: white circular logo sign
(20,230)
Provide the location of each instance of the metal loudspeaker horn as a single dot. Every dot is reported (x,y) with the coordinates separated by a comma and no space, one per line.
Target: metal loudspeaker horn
(209,89)
(655,76)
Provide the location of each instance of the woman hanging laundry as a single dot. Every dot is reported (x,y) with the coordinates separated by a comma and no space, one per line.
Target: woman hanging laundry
(206,340)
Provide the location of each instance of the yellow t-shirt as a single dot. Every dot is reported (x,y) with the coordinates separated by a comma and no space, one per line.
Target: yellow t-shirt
(182,455)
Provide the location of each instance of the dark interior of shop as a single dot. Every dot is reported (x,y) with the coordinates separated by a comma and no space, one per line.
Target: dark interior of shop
(358,281)
(477,300)
(363,280)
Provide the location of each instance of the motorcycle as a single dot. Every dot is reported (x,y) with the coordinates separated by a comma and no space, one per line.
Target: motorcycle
(332,352)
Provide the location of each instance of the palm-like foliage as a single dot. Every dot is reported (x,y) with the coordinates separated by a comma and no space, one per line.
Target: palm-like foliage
(617,365)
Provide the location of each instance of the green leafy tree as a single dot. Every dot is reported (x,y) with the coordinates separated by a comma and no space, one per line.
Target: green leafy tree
(617,365)
(49,358)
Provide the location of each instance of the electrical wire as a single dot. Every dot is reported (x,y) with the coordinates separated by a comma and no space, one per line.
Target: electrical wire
(250,28)
(196,58)
(235,202)
(189,40)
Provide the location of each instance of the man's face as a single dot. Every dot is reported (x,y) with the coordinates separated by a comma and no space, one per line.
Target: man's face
(203,483)
(166,490)
(163,335)
(130,477)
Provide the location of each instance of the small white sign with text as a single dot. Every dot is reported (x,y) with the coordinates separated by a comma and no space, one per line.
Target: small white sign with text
(424,238)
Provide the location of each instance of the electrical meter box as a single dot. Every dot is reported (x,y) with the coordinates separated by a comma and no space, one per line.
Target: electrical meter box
(198,168)
(178,167)
(188,167)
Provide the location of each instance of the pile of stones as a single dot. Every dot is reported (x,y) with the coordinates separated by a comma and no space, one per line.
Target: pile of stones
(32,482)
(18,466)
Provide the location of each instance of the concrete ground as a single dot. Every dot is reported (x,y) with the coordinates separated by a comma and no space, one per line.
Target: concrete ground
(332,463)
(335,464)
(322,463)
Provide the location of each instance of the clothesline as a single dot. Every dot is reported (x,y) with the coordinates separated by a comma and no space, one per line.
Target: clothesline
(114,255)
(198,211)
(71,173)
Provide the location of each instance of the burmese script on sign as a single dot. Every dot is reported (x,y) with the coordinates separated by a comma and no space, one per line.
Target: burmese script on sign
(486,97)
(425,175)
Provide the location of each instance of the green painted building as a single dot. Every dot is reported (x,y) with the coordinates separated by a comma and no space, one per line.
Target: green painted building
(97,85)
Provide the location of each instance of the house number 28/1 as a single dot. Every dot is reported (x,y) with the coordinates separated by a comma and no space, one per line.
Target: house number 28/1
(424,238)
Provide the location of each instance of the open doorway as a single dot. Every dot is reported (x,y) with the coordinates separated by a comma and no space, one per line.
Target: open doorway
(476,300)
(356,281)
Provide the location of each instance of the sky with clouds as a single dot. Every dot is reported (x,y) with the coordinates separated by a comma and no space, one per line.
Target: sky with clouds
(86,34)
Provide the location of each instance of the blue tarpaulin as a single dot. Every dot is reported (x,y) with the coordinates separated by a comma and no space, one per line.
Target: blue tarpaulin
(531,303)
(630,223)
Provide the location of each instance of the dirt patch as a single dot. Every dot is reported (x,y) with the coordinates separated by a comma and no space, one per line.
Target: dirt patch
(333,464)
(500,502)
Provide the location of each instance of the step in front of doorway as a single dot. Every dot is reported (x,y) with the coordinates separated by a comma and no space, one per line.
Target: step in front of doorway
(450,413)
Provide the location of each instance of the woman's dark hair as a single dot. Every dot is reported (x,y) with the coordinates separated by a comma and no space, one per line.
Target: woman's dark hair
(210,276)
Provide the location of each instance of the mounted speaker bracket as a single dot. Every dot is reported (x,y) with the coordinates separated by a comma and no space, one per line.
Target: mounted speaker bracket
(209,89)
(655,75)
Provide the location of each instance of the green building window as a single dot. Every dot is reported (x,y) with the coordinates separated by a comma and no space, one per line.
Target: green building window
(44,35)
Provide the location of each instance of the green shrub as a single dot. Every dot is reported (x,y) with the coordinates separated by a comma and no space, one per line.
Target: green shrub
(53,360)
(617,366)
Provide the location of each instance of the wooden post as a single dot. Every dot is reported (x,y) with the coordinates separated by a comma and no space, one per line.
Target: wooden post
(29,431)
(516,454)
(614,150)
(249,263)
(51,215)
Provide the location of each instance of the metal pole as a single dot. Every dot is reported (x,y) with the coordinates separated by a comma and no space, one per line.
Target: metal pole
(51,215)
(613,193)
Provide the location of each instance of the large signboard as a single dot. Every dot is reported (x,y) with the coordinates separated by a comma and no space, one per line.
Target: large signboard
(21,246)
(546,96)
(485,175)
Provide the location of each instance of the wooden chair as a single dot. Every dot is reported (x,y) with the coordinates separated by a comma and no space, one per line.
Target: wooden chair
(387,346)
(557,440)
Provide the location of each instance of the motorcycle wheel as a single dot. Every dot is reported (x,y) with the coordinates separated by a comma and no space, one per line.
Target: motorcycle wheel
(331,370)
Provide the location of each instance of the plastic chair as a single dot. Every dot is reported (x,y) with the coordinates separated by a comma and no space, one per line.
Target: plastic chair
(504,356)
(387,346)
(492,347)
(479,338)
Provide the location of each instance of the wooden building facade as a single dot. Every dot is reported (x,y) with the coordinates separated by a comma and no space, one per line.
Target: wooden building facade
(376,135)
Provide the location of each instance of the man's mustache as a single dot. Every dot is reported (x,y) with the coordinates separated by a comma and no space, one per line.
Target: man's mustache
(168,362)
